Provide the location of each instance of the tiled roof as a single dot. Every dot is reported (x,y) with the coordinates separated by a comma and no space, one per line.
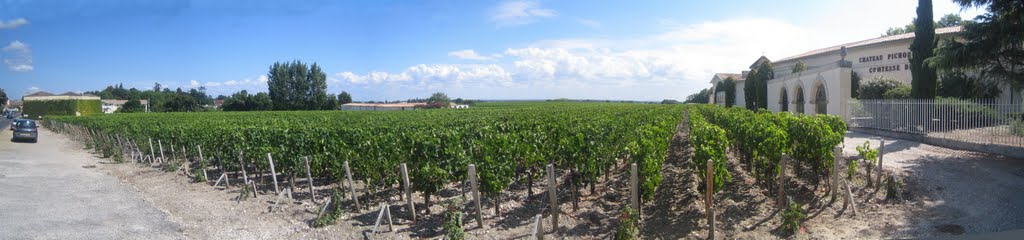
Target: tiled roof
(873,41)
(735,76)
(40,94)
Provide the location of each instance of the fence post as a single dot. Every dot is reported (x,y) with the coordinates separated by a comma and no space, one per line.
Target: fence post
(710,202)
(476,196)
(351,185)
(273,174)
(408,193)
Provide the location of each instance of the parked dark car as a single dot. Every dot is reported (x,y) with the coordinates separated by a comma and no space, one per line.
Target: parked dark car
(26,130)
(14,123)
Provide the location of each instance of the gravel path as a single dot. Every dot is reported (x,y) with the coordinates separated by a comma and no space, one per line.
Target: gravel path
(961,191)
(48,193)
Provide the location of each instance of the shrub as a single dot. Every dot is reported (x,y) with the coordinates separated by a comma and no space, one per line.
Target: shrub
(628,221)
(876,87)
(1017,127)
(870,157)
(453,221)
(709,143)
(792,217)
(900,92)
(333,211)
(893,189)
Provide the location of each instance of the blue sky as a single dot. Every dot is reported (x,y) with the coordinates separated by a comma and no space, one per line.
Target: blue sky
(396,50)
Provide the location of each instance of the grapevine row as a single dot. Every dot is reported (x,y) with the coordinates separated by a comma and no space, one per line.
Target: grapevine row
(438,145)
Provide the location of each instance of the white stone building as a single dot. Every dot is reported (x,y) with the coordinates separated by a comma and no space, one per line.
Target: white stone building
(825,86)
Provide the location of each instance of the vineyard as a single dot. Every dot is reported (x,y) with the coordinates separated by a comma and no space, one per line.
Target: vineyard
(507,142)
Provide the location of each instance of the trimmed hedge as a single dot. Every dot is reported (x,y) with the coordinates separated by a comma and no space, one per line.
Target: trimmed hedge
(35,109)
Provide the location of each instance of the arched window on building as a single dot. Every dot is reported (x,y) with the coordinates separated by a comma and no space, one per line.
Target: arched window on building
(820,99)
(783,100)
(799,99)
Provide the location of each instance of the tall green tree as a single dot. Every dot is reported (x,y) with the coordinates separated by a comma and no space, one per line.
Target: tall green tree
(923,79)
(948,20)
(296,86)
(699,97)
(181,103)
(992,45)
(344,98)
(3,97)
(131,106)
(760,86)
(729,87)
(439,98)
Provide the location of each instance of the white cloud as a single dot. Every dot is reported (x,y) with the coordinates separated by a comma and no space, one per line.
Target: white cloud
(31,90)
(469,54)
(670,64)
(228,87)
(18,57)
(589,23)
(14,23)
(520,12)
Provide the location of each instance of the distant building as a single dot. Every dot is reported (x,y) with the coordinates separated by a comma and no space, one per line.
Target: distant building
(112,105)
(718,96)
(43,96)
(460,106)
(37,104)
(381,106)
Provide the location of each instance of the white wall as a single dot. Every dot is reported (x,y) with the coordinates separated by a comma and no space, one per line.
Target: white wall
(837,88)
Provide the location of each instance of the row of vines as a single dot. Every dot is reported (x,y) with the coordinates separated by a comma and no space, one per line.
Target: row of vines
(504,142)
(762,138)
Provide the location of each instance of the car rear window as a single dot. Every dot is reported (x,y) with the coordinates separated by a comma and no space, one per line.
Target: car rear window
(28,124)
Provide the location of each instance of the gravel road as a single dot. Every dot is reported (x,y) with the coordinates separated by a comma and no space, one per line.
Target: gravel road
(47,191)
(961,192)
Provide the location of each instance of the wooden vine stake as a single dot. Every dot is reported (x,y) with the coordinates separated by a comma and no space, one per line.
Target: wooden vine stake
(837,153)
(384,210)
(245,176)
(881,155)
(538,227)
(202,160)
(273,174)
(782,181)
(476,196)
(312,192)
(151,151)
(408,193)
(710,190)
(634,193)
(161,144)
(553,195)
(351,185)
